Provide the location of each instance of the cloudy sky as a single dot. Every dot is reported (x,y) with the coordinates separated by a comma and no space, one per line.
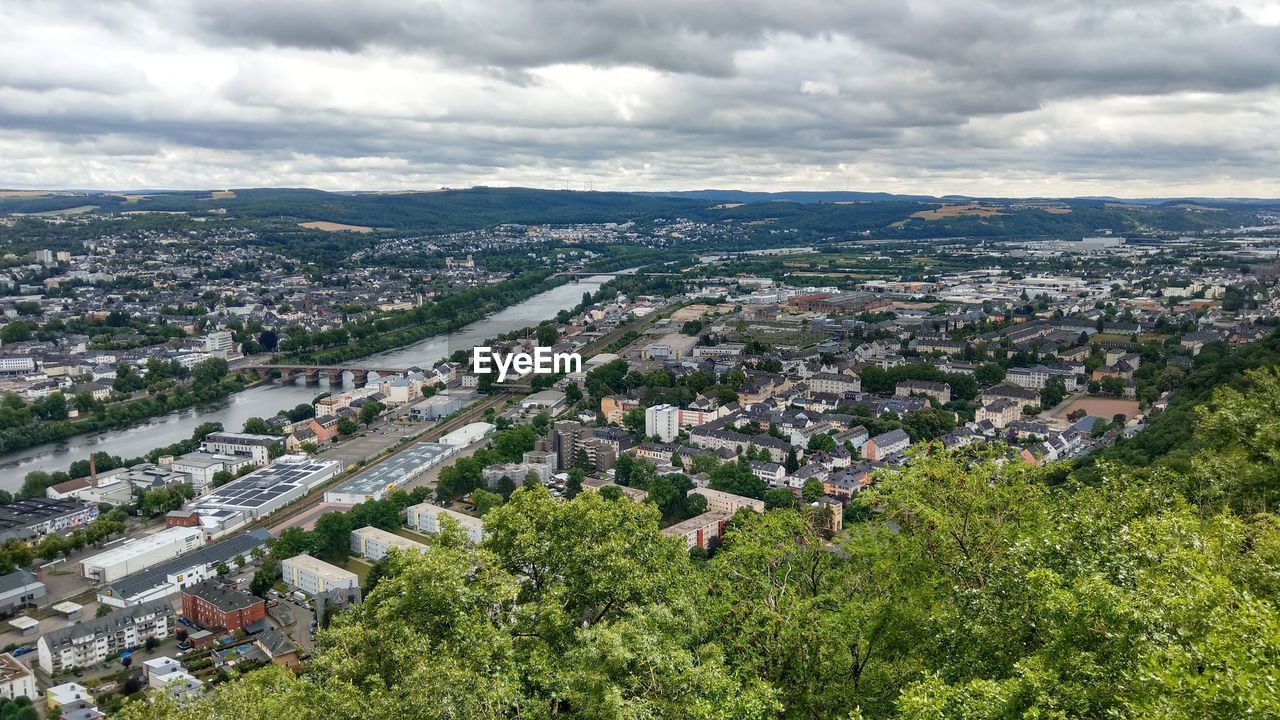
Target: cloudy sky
(994,97)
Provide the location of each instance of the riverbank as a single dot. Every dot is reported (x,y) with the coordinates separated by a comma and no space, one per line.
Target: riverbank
(265,399)
(122,414)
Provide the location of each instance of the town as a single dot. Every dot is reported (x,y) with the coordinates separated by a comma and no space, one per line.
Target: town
(709,385)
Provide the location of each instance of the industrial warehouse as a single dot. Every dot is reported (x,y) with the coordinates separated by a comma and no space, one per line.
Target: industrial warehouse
(262,492)
(140,554)
(171,576)
(374,483)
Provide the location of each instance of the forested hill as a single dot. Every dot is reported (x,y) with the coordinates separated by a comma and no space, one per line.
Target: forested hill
(778,216)
(974,589)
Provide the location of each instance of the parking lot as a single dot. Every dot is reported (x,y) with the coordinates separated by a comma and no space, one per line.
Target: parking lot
(368,443)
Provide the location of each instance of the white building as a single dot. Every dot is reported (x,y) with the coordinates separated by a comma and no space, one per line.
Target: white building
(373,543)
(666,421)
(16,680)
(426,518)
(221,344)
(257,447)
(719,501)
(202,466)
(167,675)
(467,434)
(313,576)
(17,365)
(140,553)
(91,641)
(162,580)
(662,421)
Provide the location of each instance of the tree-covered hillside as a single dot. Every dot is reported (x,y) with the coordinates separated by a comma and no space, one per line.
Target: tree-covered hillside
(975,589)
(770,219)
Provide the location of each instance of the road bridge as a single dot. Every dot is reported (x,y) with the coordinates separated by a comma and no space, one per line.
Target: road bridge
(311,374)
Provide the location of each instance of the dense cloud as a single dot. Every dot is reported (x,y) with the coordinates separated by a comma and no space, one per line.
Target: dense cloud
(985,97)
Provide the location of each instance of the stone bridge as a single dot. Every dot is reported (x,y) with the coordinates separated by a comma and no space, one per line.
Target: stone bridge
(311,374)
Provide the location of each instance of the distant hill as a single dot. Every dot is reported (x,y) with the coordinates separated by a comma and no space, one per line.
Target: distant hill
(767,219)
(818,196)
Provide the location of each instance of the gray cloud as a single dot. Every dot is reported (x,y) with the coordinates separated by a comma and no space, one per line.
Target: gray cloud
(989,97)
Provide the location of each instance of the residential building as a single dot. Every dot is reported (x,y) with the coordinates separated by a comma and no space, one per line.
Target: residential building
(702,531)
(313,576)
(662,421)
(719,501)
(256,447)
(939,392)
(373,543)
(427,518)
(834,383)
(16,679)
(212,604)
(999,412)
(771,473)
(885,445)
(91,641)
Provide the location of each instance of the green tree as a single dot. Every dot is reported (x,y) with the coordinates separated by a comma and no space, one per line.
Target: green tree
(813,490)
(779,498)
(209,371)
(1053,392)
(485,501)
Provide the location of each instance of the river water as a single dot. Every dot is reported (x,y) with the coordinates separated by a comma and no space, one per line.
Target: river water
(266,400)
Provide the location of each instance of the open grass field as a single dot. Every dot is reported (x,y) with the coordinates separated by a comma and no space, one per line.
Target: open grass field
(360,567)
(957,210)
(413,535)
(335,227)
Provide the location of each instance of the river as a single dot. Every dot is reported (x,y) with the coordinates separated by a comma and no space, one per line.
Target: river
(266,400)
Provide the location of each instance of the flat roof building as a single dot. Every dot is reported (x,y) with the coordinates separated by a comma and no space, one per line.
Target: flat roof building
(426,518)
(140,553)
(255,447)
(169,577)
(268,489)
(386,476)
(467,434)
(313,576)
(34,517)
(373,543)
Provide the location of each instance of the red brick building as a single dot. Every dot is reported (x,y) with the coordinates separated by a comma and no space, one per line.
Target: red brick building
(181,518)
(212,605)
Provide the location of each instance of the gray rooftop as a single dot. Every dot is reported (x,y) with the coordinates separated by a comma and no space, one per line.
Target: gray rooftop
(223,551)
(396,469)
(111,622)
(16,579)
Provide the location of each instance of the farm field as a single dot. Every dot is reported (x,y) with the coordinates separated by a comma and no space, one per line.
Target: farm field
(335,227)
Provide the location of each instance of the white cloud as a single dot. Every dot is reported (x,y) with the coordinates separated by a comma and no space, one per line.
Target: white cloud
(989,97)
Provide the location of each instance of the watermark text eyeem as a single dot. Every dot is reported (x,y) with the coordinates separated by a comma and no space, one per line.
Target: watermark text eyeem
(542,361)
